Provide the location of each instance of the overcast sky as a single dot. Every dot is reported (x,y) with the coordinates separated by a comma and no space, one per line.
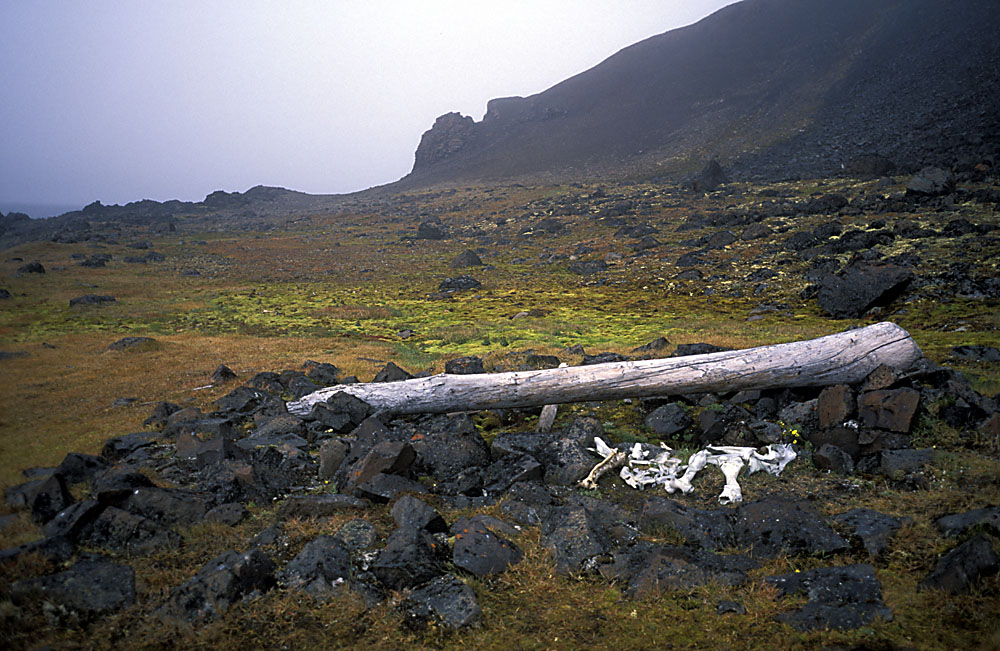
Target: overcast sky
(172,99)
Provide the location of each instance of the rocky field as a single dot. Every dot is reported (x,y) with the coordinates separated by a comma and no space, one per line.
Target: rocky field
(159,493)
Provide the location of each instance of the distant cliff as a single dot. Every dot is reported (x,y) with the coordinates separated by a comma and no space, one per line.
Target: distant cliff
(771,87)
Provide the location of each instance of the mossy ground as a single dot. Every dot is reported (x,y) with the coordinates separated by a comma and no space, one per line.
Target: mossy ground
(342,288)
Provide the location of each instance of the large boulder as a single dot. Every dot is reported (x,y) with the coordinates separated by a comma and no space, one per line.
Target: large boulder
(467,258)
(777,525)
(931,182)
(709,178)
(860,287)
(218,585)
(323,565)
(959,569)
(842,598)
(446,601)
(93,586)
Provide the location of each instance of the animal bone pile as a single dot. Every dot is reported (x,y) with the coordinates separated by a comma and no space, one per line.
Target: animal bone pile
(646,466)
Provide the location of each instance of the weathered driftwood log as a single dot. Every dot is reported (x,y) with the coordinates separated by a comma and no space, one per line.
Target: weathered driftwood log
(842,358)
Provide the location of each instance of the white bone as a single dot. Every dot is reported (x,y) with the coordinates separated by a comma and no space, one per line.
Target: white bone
(613,460)
(695,464)
(731,467)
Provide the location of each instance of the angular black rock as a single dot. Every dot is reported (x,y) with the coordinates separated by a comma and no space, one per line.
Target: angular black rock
(93,586)
(958,523)
(962,567)
(700,528)
(480,551)
(777,525)
(842,598)
(323,565)
(874,529)
(220,583)
(445,601)
(649,570)
(410,512)
(410,558)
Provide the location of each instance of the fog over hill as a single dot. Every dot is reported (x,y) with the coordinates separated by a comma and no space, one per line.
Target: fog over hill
(773,88)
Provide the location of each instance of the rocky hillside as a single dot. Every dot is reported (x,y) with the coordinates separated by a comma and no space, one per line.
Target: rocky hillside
(774,88)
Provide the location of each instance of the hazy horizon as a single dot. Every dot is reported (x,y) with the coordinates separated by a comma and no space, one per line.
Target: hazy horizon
(122,101)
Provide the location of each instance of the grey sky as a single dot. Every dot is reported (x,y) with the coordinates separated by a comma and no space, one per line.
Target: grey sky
(172,99)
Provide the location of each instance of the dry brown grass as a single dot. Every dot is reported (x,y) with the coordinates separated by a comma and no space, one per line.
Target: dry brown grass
(60,399)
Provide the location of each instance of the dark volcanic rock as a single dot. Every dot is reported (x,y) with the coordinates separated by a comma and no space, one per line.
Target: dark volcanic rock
(393,457)
(34,267)
(242,400)
(683,350)
(49,498)
(161,412)
(860,287)
(576,537)
(777,525)
(93,586)
(91,299)
(429,230)
(603,358)
(170,506)
(383,487)
(658,344)
(132,343)
(566,462)
(839,597)
(118,448)
(320,568)
(332,453)
(57,549)
(410,513)
(706,529)
(341,412)
(587,267)
(931,182)
(220,583)
(77,467)
(319,506)
(977,353)
(122,531)
(963,566)
(958,523)
(481,551)
(223,374)
(825,204)
(650,570)
(709,178)
(897,464)
(510,469)
(831,457)
(464,366)
(874,529)
(357,534)
(835,405)
(409,559)
(445,601)
(391,373)
(72,521)
(447,446)
(230,513)
(891,409)
(459,283)
(467,258)
(668,419)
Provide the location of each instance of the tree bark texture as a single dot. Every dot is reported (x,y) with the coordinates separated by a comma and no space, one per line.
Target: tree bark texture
(842,358)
